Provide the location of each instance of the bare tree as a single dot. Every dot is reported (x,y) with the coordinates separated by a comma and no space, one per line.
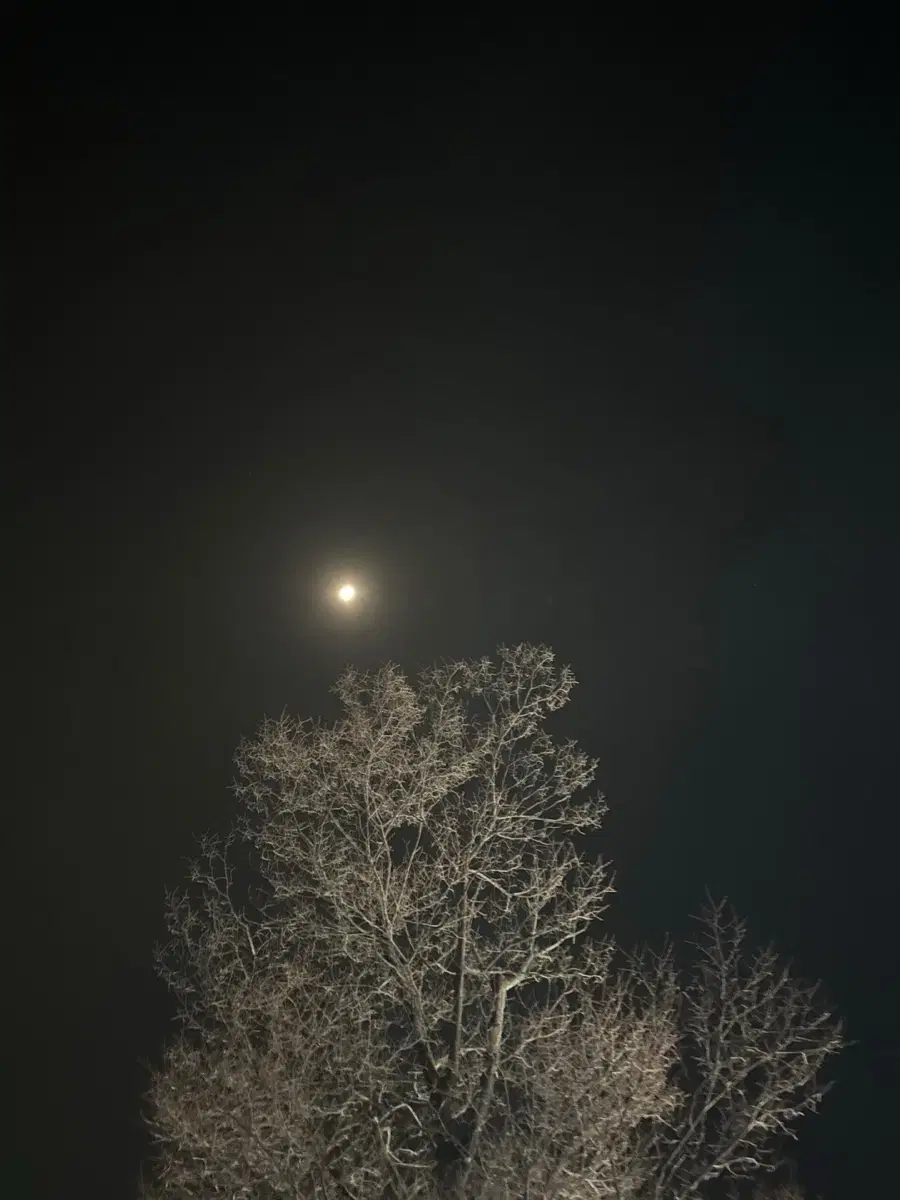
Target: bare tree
(753,1045)
(414,1002)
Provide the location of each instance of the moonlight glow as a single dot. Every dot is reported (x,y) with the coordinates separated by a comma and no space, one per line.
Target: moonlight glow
(347,592)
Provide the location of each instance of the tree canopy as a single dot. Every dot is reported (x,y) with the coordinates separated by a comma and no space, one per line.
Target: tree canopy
(414,997)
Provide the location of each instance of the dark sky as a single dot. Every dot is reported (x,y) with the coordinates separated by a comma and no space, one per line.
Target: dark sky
(552,333)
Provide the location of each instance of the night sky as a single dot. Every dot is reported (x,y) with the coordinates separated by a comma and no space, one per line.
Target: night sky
(548,334)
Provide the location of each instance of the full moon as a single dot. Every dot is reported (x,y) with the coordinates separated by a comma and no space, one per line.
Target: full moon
(347,592)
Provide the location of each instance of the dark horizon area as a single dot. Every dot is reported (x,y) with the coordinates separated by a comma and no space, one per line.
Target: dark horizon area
(542,334)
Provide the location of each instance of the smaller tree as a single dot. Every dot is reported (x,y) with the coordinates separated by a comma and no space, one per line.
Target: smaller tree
(753,1044)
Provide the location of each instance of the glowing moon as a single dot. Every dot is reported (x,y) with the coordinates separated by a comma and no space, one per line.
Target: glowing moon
(347,592)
